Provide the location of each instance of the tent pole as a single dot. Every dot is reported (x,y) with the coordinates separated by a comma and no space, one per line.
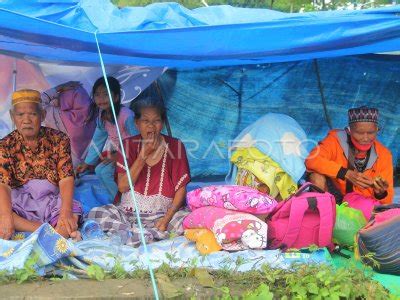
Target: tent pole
(14,75)
(162,100)
(132,194)
(321,91)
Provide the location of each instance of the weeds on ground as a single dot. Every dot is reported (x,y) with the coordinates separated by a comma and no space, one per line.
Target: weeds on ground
(299,282)
(27,273)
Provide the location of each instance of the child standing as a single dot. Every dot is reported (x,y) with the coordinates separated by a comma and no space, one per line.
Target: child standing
(105,142)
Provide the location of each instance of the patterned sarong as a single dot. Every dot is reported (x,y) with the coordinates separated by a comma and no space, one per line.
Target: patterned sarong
(39,200)
(117,220)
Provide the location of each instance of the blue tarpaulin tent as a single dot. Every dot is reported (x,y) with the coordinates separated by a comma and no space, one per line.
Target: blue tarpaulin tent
(223,56)
(229,65)
(166,34)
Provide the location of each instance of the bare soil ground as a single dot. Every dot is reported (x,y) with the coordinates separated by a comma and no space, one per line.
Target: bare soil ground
(108,289)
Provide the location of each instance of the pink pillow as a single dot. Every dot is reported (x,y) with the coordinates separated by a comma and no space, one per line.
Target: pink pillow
(233,197)
(233,230)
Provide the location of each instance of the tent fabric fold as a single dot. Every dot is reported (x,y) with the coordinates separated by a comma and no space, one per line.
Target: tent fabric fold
(167,34)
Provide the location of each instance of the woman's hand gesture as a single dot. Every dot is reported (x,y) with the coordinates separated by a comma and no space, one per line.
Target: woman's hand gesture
(162,224)
(150,146)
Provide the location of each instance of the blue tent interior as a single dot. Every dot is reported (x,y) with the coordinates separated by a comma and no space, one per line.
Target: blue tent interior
(228,64)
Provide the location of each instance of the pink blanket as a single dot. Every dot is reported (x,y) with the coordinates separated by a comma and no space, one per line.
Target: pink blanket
(232,197)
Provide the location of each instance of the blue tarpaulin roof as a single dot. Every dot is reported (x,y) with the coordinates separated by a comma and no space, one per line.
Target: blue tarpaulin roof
(233,96)
(167,34)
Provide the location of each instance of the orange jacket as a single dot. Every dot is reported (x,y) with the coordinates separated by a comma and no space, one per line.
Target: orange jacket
(330,156)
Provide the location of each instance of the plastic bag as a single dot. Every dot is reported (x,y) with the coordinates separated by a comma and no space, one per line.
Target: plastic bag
(348,222)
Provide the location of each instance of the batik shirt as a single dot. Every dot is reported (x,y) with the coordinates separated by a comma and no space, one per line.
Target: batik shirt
(51,160)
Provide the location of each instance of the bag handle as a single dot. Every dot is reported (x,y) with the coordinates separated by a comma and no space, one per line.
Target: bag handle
(297,210)
(306,186)
(384,207)
(350,165)
(326,223)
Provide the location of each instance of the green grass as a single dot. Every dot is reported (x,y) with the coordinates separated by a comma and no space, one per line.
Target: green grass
(300,282)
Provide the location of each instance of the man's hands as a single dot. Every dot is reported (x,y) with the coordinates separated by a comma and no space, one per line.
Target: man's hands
(6,225)
(359,179)
(378,184)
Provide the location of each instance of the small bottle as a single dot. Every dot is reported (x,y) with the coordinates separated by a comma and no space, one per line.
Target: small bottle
(117,240)
(91,230)
(120,237)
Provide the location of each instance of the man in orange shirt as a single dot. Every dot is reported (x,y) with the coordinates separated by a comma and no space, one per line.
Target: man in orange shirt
(353,160)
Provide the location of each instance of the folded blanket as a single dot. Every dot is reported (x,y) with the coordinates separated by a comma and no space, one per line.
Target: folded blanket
(233,197)
(265,170)
(233,230)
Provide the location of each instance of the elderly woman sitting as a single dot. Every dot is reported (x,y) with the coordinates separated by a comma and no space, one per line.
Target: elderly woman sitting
(160,172)
(36,173)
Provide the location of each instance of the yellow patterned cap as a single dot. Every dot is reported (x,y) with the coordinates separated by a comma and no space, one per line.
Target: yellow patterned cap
(26,95)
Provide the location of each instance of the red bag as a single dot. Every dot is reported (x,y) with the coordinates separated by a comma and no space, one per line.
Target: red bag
(305,219)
